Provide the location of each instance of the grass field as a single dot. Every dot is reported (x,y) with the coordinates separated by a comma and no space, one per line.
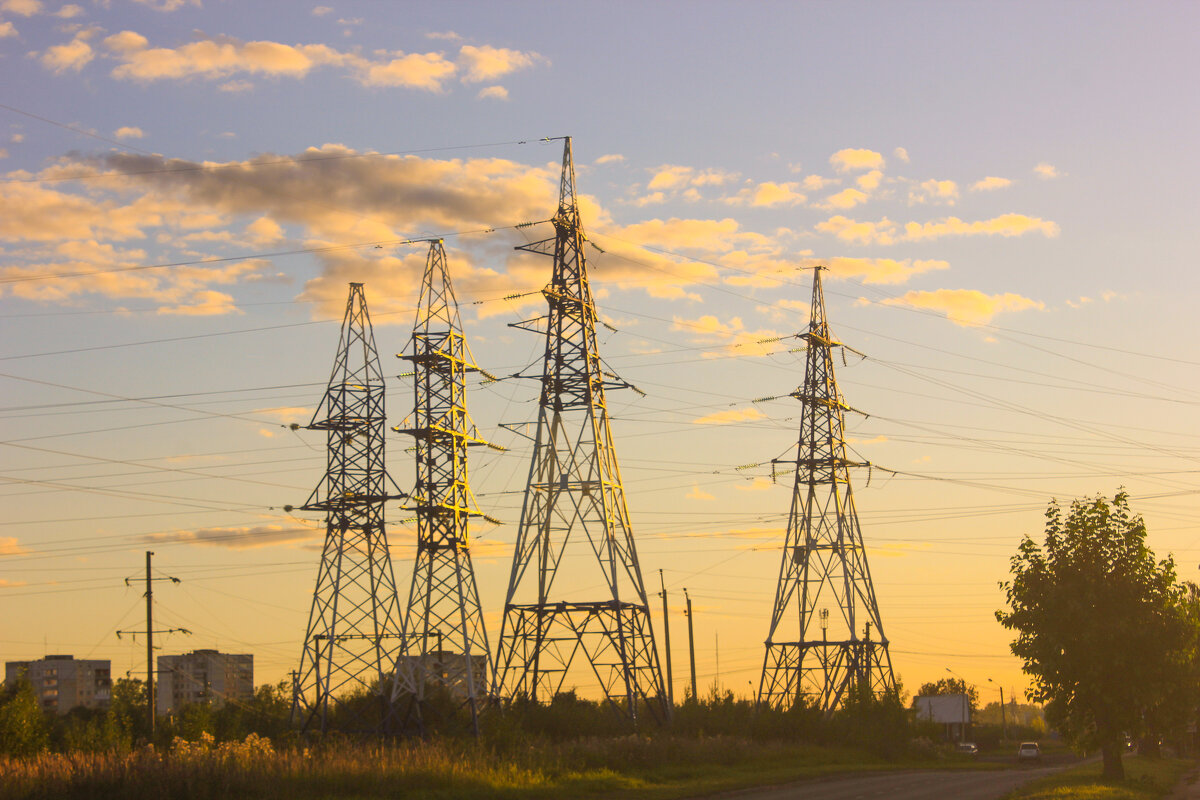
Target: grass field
(625,767)
(1145,779)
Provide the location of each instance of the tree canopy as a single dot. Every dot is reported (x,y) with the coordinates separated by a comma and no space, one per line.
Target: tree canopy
(1106,632)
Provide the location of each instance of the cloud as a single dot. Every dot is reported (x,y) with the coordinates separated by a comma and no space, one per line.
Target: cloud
(128,133)
(7,584)
(493,92)
(223,57)
(770,194)
(69,11)
(989,183)
(710,235)
(445,36)
(815,183)
(853,159)
(870,181)
(264,230)
(934,191)
(966,307)
(7,29)
(72,56)
(610,158)
(847,198)
(22,8)
(320,11)
(167,5)
(885,231)
(736,340)
(901,154)
(849,230)
(235,86)
(214,59)
(487,63)
(1047,171)
(880,270)
(699,494)
(428,71)
(9,546)
(730,416)
(242,538)
(1003,225)
(685,182)
(756,485)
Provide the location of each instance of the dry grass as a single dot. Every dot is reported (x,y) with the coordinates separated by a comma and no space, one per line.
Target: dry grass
(632,766)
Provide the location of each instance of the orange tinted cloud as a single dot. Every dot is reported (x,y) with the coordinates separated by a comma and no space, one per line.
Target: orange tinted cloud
(851,159)
(966,306)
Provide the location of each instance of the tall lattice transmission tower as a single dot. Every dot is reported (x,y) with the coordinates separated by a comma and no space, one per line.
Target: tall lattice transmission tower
(355,628)
(813,656)
(447,645)
(574,502)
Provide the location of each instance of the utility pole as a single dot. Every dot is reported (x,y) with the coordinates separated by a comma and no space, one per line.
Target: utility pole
(149,646)
(962,731)
(824,558)
(575,502)
(150,706)
(1003,716)
(691,645)
(355,628)
(667,642)
(443,600)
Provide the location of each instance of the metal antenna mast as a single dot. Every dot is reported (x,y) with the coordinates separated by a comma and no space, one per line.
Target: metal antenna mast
(575,498)
(355,630)
(447,644)
(824,560)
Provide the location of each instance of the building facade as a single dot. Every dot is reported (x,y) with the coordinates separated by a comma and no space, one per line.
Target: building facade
(64,682)
(203,676)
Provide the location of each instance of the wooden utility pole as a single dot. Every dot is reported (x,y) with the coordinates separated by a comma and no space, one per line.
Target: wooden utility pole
(667,640)
(149,646)
(150,706)
(691,646)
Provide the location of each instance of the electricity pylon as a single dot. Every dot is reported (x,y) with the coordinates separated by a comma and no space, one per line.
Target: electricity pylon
(355,629)
(447,645)
(574,502)
(824,560)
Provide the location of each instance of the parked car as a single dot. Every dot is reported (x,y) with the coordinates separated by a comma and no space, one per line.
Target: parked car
(1029,752)
(966,748)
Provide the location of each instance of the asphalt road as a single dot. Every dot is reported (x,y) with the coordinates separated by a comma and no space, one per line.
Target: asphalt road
(914,785)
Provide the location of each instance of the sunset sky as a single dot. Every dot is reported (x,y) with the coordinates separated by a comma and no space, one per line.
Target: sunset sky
(1005,195)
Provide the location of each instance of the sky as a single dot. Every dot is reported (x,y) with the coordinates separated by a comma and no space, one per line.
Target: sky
(1004,194)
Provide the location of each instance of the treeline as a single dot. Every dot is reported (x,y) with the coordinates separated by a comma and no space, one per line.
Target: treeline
(881,726)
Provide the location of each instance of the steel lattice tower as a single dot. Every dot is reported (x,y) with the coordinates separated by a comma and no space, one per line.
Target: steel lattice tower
(355,629)
(575,502)
(447,645)
(824,561)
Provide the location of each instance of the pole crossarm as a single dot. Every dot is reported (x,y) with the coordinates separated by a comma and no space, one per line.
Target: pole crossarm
(824,562)
(355,628)
(575,502)
(447,650)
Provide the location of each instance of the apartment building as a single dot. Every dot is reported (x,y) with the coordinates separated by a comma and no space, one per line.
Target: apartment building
(64,682)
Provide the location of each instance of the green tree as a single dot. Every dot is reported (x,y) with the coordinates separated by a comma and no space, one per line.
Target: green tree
(1103,628)
(950,686)
(23,727)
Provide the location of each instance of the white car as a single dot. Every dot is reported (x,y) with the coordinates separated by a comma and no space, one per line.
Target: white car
(1029,752)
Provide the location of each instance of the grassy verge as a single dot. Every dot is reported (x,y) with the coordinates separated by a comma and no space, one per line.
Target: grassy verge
(1145,779)
(630,767)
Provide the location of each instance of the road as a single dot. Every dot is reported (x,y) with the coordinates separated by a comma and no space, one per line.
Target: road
(914,785)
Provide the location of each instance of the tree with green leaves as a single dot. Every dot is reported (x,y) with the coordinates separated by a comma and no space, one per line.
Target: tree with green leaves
(949,686)
(23,727)
(1105,631)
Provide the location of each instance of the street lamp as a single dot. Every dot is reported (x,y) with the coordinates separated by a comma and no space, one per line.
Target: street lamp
(962,731)
(1003,719)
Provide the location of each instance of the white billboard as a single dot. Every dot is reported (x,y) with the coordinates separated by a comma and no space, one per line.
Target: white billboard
(949,709)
